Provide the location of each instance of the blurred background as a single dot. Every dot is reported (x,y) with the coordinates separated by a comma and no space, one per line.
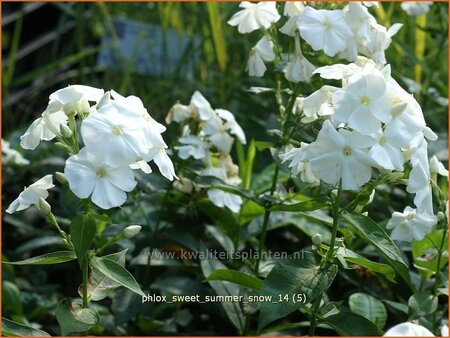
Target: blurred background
(161,52)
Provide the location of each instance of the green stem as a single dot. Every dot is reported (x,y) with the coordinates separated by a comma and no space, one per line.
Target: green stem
(52,220)
(85,279)
(313,325)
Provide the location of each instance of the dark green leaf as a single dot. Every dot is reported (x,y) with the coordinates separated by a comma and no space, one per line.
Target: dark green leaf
(426,253)
(368,307)
(11,298)
(236,277)
(73,318)
(14,329)
(350,324)
(297,275)
(39,242)
(421,303)
(50,258)
(82,232)
(116,273)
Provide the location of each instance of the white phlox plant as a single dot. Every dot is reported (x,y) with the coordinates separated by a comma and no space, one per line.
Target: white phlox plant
(208,137)
(118,135)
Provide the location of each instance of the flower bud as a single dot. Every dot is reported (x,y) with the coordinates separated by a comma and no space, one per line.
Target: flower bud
(65,131)
(44,207)
(441,216)
(60,177)
(317,239)
(131,231)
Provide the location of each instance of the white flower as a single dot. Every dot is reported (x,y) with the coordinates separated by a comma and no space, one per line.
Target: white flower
(32,194)
(416,8)
(444,330)
(293,8)
(231,124)
(221,198)
(336,157)
(75,98)
(255,16)
(117,135)
(408,330)
(299,69)
(410,225)
(363,104)
(163,162)
(89,175)
(437,167)
(192,146)
(263,51)
(45,128)
(337,71)
(179,113)
(12,156)
(300,165)
(217,133)
(141,165)
(318,104)
(201,106)
(386,150)
(324,30)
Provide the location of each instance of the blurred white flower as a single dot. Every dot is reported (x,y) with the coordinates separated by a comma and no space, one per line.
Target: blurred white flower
(231,124)
(444,330)
(89,175)
(192,146)
(408,330)
(12,156)
(363,103)
(436,167)
(336,157)
(221,198)
(117,134)
(32,194)
(410,225)
(179,113)
(263,51)
(299,69)
(416,8)
(254,16)
(201,106)
(75,99)
(45,128)
(217,133)
(293,8)
(324,30)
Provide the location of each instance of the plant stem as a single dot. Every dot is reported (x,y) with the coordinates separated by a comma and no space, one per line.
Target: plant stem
(85,279)
(313,325)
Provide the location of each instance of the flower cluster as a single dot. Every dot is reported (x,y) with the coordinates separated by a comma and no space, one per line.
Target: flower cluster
(346,32)
(208,135)
(416,8)
(370,123)
(118,135)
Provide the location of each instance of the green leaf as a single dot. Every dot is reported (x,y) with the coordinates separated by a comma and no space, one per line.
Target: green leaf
(370,231)
(82,232)
(368,307)
(224,288)
(426,253)
(314,204)
(11,298)
(39,242)
(116,273)
(72,317)
(217,33)
(263,181)
(353,257)
(236,277)
(50,258)
(296,275)
(421,303)
(100,286)
(14,329)
(350,324)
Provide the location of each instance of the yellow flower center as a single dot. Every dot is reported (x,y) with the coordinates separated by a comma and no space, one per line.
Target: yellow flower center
(100,172)
(382,141)
(116,130)
(327,25)
(347,151)
(409,217)
(364,100)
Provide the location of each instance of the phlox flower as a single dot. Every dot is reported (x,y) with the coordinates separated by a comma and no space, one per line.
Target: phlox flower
(436,167)
(254,16)
(318,104)
(201,107)
(12,156)
(335,157)
(45,128)
(324,30)
(89,175)
(221,198)
(231,124)
(179,113)
(363,103)
(117,134)
(32,194)
(217,134)
(299,164)
(292,9)
(75,99)
(410,225)
(192,146)
(162,161)
(263,51)
(299,69)
(416,8)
